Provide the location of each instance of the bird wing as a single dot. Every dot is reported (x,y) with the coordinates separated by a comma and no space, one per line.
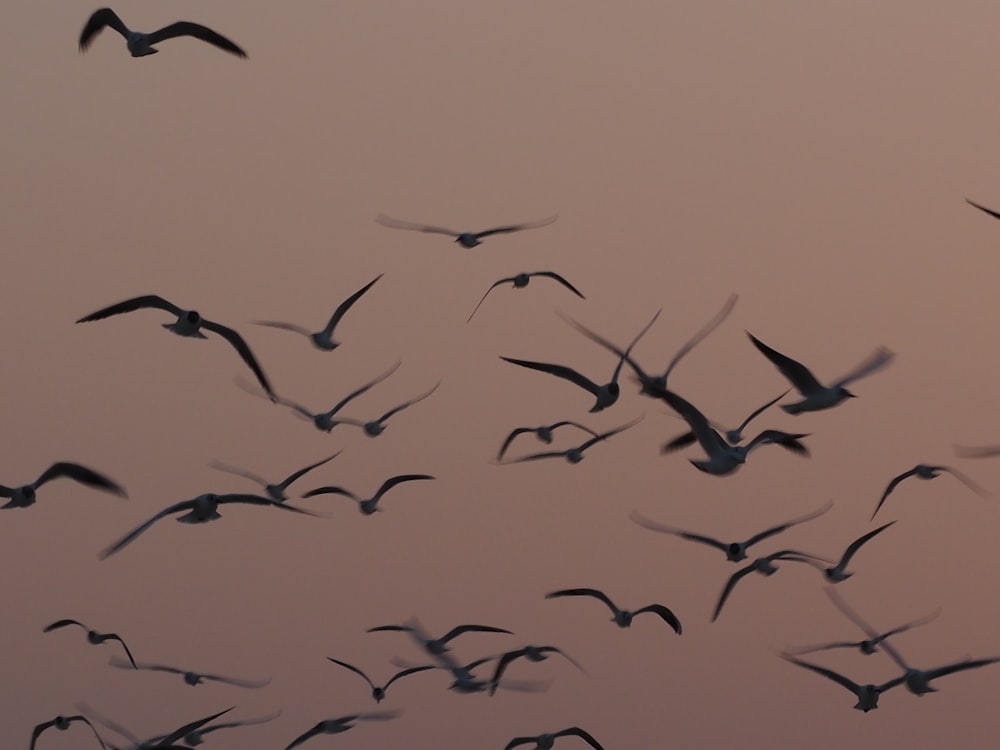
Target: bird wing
(908,626)
(786,440)
(681,441)
(964,479)
(371,383)
(97,21)
(610,433)
(585,736)
(459,629)
(243,723)
(797,373)
(237,497)
(402,628)
(131,536)
(868,629)
(756,412)
(179,733)
(875,361)
(972,451)
(825,647)
(701,334)
(186,28)
(116,637)
(344,306)
(566,422)
(283,326)
(238,683)
(828,673)
(493,286)
(353,669)
(62,624)
(519,741)
(407,671)
(560,371)
(557,277)
(788,524)
(243,349)
(584,592)
(407,404)
(710,440)
(654,526)
(123,664)
(622,354)
(130,305)
(536,456)
(239,472)
(960,666)
(296,475)
(388,221)
(665,613)
(318,729)
(388,484)
(516,227)
(39,729)
(332,491)
(81,474)
(854,546)
(891,486)
(728,588)
(503,448)
(990,211)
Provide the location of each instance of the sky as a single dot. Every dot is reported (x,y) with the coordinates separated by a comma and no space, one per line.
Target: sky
(813,160)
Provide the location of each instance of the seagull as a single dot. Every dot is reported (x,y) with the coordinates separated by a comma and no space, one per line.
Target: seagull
(867,695)
(990,211)
(189,323)
(546,741)
(816,396)
(869,645)
(724,458)
(763,565)
(336,726)
(92,635)
(323,339)
(274,491)
(192,678)
(141,44)
(531,653)
(370,505)
(196,736)
(927,471)
(735,551)
(733,437)
(575,455)
(376,427)
(622,617)
(651,385)
(164,742)
(22,497)
(62,723)
(839,573)
(465,239)
(544,433)
(521,280)
(438,646)
(201,509)
(378,692)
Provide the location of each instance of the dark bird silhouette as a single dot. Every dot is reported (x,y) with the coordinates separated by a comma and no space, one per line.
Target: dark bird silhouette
(838,572)
(191,678)
(378,691)
(531,653)
(437,646)
(521,280)
(544,433)
(622,617)
(927,471)
(982,208)
(867,695)
(733,437)
(25,495)
(575,455)
(63,723)
(376,427)
(546,741)
(763,565)
(368,506)
(465,239)
(141,44)
(92,635)
(274,491)
(336,726)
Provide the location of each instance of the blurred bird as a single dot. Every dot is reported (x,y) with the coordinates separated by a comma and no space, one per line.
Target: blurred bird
(189,324)
(25,495)
(141,44)
(816,395)
(867,695)
(376,427)
(531,653)
(162,742)
(926,471)
(575,455)
(766,567)
(622,617)
(274,491)
(378,691)
(196,736)
(733,437)
(437,646)
(521,280)
(546,741)
(370,505)
(92,635)
(544,433)
(465,239)
(336,726)
(838,572)
(63,723)
(191,678)
(323,339)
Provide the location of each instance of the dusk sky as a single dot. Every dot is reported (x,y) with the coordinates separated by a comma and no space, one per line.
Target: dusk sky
(813,160)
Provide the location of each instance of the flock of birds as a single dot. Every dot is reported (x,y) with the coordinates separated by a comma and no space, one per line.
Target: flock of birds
(725,451)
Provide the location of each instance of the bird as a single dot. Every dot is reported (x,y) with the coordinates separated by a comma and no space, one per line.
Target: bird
(838,572)
(622,617)
(192,678)
(546,741)
(867,695)
(323,339)
(467,240)
(735,551)
(733,437)
(370,505)
(63,723)
(437,646)
(544,433)
(521,280)
(25,495)
(342,724)
(376,427)
(141,44)
(651,385)
(274,491)
(196,736)
(724,458)
(378,691)
(928,471)
(162,742)
(763,565)
(201,509)
(990,211)
(816,396)
(189,324)
(92,635)
(575,455)
(531,653)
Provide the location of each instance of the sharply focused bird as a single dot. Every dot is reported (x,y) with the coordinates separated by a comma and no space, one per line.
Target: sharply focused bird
(92,635)
(546,741)
(575,455)
(25,495)
(521,280)
(191,678)
(735,551)
(63,723)
(544,433)
(378,691)
(927,471)
(622,617)
(274,491)
(336,726)
(368,506)
(766,567)
(141,44)
(437,646)
(201,509)
(189,324)
(323,339)
(867,695)
(465,239)
(531,653)
(817,396)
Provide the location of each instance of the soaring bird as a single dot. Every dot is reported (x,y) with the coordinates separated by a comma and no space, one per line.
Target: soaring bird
(196,736)
(575,455)
(92,635)
(521,280)
(437,646)
(274,491)
(141,44)
(622,617)
(546,741)
(817,396)
(763,565)
(25,495)
(63,723)
(189,323)
(378,691)
(465,239)
(375,427)
(867,695)
(323,339)
(735,551)
(927,471)
(544,433)
(192,678)
(342,724)
(201,509)
(531,653)
(368,506)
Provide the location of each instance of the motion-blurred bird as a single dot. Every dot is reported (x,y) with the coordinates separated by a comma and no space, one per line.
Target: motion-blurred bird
(376,427)
(521,280)
(192,678)
(544,433)
(141,44)
(437,646)
(465,239)
(766,567)
(25,495)
(531,653)
(92,635)
(197,736)
(622,617)
(733,437)
(546,741)
(990,211)
(927,471)
(274,491)
(368,506)
(63,723)
(336,726)
(838,572)
(575,455)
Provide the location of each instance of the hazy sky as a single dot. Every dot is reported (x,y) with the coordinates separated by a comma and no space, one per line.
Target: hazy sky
(812,160)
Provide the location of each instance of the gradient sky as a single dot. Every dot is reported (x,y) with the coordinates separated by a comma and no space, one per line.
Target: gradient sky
(813,160)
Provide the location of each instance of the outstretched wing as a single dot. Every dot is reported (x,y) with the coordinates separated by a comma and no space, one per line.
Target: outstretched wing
(388,221)
(243,349)
(130,305)
(344,306)
(797,373)
(186,28)
(97,21)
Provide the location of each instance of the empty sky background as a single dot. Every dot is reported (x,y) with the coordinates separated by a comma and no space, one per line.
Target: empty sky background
(814,160)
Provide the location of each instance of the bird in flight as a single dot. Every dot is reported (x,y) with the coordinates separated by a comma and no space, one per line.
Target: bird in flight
(990,211)
(141,44)
(927,471)
(622,617)
(521,280)
(766,567)
(465,239)
(190,678)
(342,724)
(274,491)
(92,635)
(867,695)
(838,572)
(546,741)
(25,495)
(544,433)
(531,653)
(733,437)
(368,506)
(376,427)
(438,646)
(575,455)
(63,723)
(378,691)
